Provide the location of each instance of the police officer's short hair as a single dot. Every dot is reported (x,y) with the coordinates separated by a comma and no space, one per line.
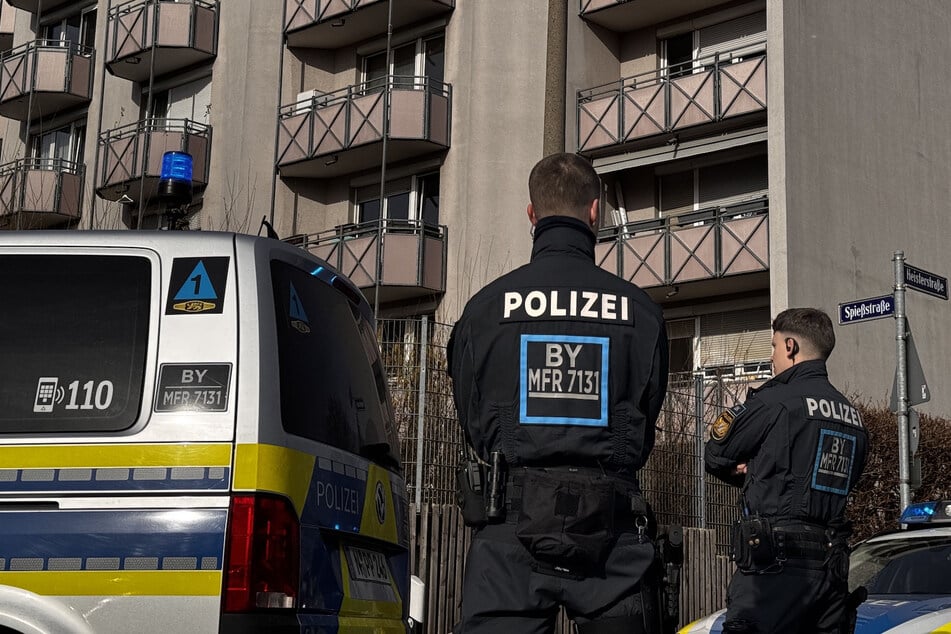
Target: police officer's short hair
(563,184)
(811,324)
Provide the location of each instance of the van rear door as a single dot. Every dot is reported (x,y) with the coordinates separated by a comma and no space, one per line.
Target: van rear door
(114,478)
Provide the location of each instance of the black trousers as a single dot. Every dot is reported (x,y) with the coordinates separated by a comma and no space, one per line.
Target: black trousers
(504,590)
(805,596)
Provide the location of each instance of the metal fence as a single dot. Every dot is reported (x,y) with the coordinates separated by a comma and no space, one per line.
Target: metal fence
(414,353)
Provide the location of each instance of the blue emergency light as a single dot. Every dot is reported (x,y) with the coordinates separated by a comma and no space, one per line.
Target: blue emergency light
(175,181)
(918,513)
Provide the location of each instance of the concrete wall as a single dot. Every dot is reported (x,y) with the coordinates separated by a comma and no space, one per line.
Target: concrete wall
(497,131)
(866,142)
(244,103)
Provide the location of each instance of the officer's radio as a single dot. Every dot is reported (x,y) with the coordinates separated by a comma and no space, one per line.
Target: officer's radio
(470,492)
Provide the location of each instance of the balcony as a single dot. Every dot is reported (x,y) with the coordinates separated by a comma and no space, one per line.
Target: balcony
(32,6)
(341,132)
(406,256)
(40,193)
(652,106)
(43,77)
(704,245)
(160,36)
(130,157)
(337,23)
(624,15)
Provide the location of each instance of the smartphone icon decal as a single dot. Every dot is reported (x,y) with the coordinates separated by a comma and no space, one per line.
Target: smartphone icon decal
(45,394)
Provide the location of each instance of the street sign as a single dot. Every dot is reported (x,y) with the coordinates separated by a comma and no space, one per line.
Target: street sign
(867,309)
(925,282)
(914,431)
(918,391)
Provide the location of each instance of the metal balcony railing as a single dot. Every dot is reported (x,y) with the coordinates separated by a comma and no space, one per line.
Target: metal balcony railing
(330,124)
(42,77)
(37,193)
(672,98)
(407,257)
(336,23)
(177,33)
(130,157)
(706,244)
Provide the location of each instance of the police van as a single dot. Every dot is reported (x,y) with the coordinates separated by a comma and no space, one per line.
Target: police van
(195,436)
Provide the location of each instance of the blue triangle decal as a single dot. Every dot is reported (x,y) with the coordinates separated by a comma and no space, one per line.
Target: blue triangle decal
(297,309)
(197,285)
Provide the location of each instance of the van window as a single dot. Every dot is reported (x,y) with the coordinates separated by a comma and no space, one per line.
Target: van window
(327,354)
(73,337)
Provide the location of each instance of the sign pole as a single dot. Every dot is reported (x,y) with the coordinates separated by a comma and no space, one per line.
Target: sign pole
(901,380)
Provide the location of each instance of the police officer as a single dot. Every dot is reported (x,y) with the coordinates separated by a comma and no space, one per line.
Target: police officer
(797,447)
(559,372)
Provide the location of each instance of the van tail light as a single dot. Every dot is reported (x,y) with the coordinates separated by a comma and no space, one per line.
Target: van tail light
(262,554)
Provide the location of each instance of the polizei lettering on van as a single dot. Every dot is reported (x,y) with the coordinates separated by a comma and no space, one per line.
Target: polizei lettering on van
(552,304)
(338,498)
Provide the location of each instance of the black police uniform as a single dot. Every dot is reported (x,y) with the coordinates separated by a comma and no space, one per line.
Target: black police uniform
(804,446)
(561,367)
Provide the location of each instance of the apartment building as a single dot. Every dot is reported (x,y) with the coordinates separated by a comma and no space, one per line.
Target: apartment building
(755,154)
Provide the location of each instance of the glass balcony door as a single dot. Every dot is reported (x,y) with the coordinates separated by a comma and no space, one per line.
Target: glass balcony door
(424,57)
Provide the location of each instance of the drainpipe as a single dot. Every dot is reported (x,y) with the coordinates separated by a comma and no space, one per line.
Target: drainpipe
(556,63)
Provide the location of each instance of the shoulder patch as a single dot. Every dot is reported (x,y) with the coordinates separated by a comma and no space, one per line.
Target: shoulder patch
(721,426)
(724,422)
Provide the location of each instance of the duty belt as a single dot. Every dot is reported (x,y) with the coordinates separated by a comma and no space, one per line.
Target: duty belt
(631,510)
(804,540)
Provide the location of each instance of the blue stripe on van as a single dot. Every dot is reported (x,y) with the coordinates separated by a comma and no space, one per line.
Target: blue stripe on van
(115,539)
(106,479)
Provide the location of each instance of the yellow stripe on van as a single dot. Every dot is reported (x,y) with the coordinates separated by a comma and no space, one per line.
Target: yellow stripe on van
(277,469)
(117,582)
(357,625)
(115,455)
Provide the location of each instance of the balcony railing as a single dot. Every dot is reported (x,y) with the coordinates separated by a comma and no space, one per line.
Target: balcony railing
(175,33)
(37,193)
(625,15)
(43,77)
(336,133)
(337,23)
(408,257)
(706,244)
(130,157)
(671,99)
(33,6)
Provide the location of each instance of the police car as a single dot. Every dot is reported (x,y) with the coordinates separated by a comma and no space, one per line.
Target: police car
(907,574)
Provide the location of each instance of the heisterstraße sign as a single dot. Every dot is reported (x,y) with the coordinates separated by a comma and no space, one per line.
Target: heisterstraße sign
(867,309)
(926,282)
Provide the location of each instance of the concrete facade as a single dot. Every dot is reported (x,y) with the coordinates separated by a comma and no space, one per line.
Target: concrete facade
(726,208)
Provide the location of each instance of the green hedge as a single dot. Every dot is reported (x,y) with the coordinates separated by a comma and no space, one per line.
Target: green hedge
(874,505)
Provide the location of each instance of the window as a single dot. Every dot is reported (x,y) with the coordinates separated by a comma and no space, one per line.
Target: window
(681,335)
(678,52)
(74,354)
(333,385)
(414,198)
(66,143)
(79,28)
(190,101)
(718,185)
(424,57)
(696,50)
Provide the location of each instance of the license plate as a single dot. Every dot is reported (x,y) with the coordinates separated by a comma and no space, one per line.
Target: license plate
(367,565)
